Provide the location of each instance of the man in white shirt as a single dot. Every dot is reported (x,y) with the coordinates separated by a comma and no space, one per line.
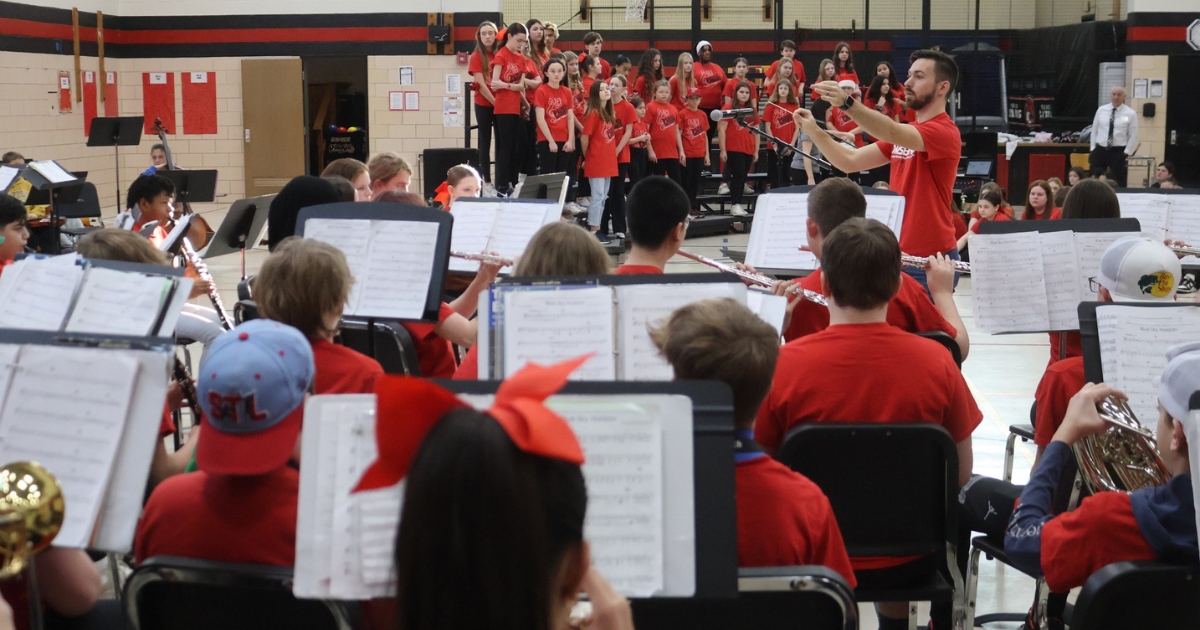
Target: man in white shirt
(1114,137)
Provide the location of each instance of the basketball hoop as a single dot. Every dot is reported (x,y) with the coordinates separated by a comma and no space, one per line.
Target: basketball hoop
(635,10)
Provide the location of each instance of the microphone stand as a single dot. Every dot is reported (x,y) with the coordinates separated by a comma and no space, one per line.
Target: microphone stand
(783,145)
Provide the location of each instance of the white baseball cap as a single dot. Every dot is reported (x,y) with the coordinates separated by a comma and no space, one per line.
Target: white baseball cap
(1139,269)
(1179,394)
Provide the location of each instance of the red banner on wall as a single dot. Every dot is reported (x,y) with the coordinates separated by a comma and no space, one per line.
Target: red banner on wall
(112,106)
(199,102)
(158,99)
(64,92)
(89,100)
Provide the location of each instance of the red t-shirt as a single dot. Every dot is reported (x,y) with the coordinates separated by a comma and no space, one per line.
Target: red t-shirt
(1064,345)
(581,96)
(533,70)
(512,69)
(843,122)
(468,370)
(842,75)
(1053,215)
(738,139)
(797,71)
(662,121)
(694,127)
(476,65)
(626,115)
(601,157)
(731,88)
(341,370)
(556,102)
(710,79)
(224,518)
(1005,209)
(999,216)
(435,355)
(678,99)
(605,69)
(1101,531)
(1062,380)
(911,311)
(926,180)
(636,270)
(893,111)
(642,89)
(784,520)
(779,115)
(639,130)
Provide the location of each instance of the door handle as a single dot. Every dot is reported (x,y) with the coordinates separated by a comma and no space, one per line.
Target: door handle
(247,135)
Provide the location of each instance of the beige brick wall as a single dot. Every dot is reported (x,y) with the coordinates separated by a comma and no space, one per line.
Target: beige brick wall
(1152,132)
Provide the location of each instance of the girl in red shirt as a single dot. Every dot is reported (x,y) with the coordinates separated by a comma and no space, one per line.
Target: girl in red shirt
(480,68)
(739,148)
(843,59)
(666,143)
(786,72)
(574,82)
(509,84)
(625,115)
(693,127)
(882,98)
(599,146)
(740,68)
(537,56)
(555,116)
(639,142)
(989,209)
(649,73)
(1039,204)
(683,81)
(825,72)
(710,78)
(778,115)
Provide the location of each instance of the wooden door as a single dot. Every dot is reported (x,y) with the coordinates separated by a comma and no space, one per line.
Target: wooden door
(273,121)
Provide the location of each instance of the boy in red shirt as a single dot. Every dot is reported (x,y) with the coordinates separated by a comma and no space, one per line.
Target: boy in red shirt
(657,211)
(594,44)
(148,201)
(693,127)
(241,505)
(13,233)
(787,50)
(833,202)
(783,517)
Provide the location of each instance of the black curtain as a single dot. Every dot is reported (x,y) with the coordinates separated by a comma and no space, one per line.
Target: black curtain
(1064,62)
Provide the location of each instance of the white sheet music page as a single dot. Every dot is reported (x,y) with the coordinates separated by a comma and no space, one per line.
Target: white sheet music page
(118,303)
(1106,332)
(8,175)
(779,219)
(640,306)
(1184,223)
(346,561)
(1008,282)
(1089,248)
(8,364)
(52,171)
(887,209)
(399,269)
(516,225)
(1062,280)
(473,223)
(1152,211)
(770,308)
(1143,336)
(548,326)
(314,523)
(40,294)
(66,409)
(353,237)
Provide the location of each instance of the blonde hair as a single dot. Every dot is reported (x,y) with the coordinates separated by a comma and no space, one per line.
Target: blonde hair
(684,80)
(385,166)
(349,168)
(573,81)
(301,282)
(563,249)
(722,340)
(122,245)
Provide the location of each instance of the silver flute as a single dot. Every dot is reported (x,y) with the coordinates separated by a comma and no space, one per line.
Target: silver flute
(490,259)
(757,279)
(923,263)
(1185,250)
(189,254)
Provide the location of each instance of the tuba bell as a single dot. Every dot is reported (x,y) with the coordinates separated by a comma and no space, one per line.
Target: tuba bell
(1124,458)
(31,514)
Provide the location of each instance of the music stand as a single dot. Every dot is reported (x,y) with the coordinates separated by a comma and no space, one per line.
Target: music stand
(46,192)
(192,186)
(552,186)
(116,132)
(246,218)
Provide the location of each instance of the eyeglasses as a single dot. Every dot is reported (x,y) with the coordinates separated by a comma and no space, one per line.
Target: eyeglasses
(687,222)
(1093,285)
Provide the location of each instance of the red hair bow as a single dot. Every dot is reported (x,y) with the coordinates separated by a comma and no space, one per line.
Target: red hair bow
(408,407)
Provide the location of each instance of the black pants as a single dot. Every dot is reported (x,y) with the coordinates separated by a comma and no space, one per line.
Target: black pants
(509,128)
(485,116)
(737,166)
(556,162)
(614,204)
(692,178)
(639,160)
(528,148)
(1109,161)
(668,167)
(778,168)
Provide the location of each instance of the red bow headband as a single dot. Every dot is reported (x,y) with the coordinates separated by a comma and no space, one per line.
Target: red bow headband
(408,407)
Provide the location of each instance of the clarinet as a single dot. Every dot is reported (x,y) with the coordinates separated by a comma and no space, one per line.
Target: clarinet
(188,386)
(189,254)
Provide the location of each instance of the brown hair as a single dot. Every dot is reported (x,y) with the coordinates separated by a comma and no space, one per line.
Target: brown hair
(1091,199)
(749,94)
(944,66)
(385,166)
(1028,213)
(573,82)
(861,261)
(400,196)
(349,168)
(12,156)
(722,340)
(834,201)
(837,63)
(484,53)
(1060,196)
(301,282)
(605,111)
(458,173)
(122,245)
(563,249)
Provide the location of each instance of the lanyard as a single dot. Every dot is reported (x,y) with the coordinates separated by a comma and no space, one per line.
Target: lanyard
(744,447)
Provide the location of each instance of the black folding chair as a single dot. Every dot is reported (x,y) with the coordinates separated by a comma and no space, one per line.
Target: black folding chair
(1139,595)
(771,598)
(947,342)
(392,346)
(881,512)
(189,594)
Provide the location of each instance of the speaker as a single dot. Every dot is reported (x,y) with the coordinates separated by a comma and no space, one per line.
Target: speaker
(435,163)
(1148,110)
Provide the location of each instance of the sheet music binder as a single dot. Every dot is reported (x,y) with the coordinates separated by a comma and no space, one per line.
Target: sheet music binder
(1089,332)
(551,212)
(395,212)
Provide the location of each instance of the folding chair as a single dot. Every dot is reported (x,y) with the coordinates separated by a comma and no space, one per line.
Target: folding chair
(392,346)
(1023,431)
(189,594)
(947,342)
(771,598)
(1139,595)
(882,513)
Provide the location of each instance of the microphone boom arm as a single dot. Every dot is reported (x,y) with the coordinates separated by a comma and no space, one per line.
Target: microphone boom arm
(785,145)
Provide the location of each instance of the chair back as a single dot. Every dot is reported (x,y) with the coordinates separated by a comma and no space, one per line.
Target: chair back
(86,206)
(893,487)
(1139,595)
(392,346)
(244,311)
(947,342)
(769,598)
(186,594)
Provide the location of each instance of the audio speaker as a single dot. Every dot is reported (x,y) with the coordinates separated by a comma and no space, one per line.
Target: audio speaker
(435,163)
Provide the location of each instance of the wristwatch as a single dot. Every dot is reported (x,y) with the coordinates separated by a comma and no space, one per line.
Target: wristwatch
(847,105)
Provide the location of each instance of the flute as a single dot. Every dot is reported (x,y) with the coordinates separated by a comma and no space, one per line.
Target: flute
(756,279)
(490,259)
(1185,250)
(921,262)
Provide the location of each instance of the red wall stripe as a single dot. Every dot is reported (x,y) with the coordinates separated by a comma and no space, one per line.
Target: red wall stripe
(257,35)
(1156,34)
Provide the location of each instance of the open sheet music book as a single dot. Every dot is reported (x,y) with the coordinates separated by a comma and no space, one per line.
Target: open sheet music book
(1034,281)
(8,175)
(53,173)
(71,294)
(501,226)
(392,263)
(779,228)
(1165,215)
(637,446)
(548,323)
(1133,345)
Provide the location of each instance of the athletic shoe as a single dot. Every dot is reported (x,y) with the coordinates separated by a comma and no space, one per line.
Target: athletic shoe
(490,191)
(583,201)
(574,208)
(1187,284)
(738,211)
(749,189)
(601,237)
(618,235)
(723,189)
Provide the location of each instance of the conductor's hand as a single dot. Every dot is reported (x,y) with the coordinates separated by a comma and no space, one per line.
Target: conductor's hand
(610,611)
(806,121)
(199,288)
(830,91)
(939,275)
(1082,418)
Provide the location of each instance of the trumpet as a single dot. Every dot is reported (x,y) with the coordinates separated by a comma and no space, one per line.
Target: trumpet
(31,514)
(921,262)
(756,279)
(1124,458)
(489,259)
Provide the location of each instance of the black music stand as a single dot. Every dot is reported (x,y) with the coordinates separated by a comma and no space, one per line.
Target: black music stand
(550,186)
(1089,332)
(245,219)
(46,192)
(192,186)
(116,132)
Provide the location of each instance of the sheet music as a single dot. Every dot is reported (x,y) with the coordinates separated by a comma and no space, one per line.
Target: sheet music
(1062,279)
(8,175)
(770,308)
(8,364)
(399,269)
(1184,223)
(119,303)
(1089,248)
(1143,336)
(473,223)
(1106,331)
(35,294)
(548,326)
(887,209)
(780,230)
(52,171)
(66,409)
(179,231)
(517,224)
(1150,209)
(640,306)
(1008,282)
(352,237)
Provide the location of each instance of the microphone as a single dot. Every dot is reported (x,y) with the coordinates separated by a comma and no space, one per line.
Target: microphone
(722,114)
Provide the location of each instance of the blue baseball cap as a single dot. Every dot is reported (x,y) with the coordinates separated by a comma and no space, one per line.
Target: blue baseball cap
(251,387)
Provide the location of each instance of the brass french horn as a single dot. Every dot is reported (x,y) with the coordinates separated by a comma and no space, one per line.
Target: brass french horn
(31,514)
(1124,458)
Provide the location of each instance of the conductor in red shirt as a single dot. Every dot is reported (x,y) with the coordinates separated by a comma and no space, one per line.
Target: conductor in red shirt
(923,156)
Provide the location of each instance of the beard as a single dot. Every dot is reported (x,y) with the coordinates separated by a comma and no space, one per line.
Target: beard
(915,102)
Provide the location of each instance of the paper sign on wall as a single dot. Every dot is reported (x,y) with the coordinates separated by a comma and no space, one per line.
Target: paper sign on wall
(64,92)
(396,101)
(451,111)
(158,100)
(158,78)
(112,106)
(412,101)
(406,75)
(199,102)
(453,84)
(89,100)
